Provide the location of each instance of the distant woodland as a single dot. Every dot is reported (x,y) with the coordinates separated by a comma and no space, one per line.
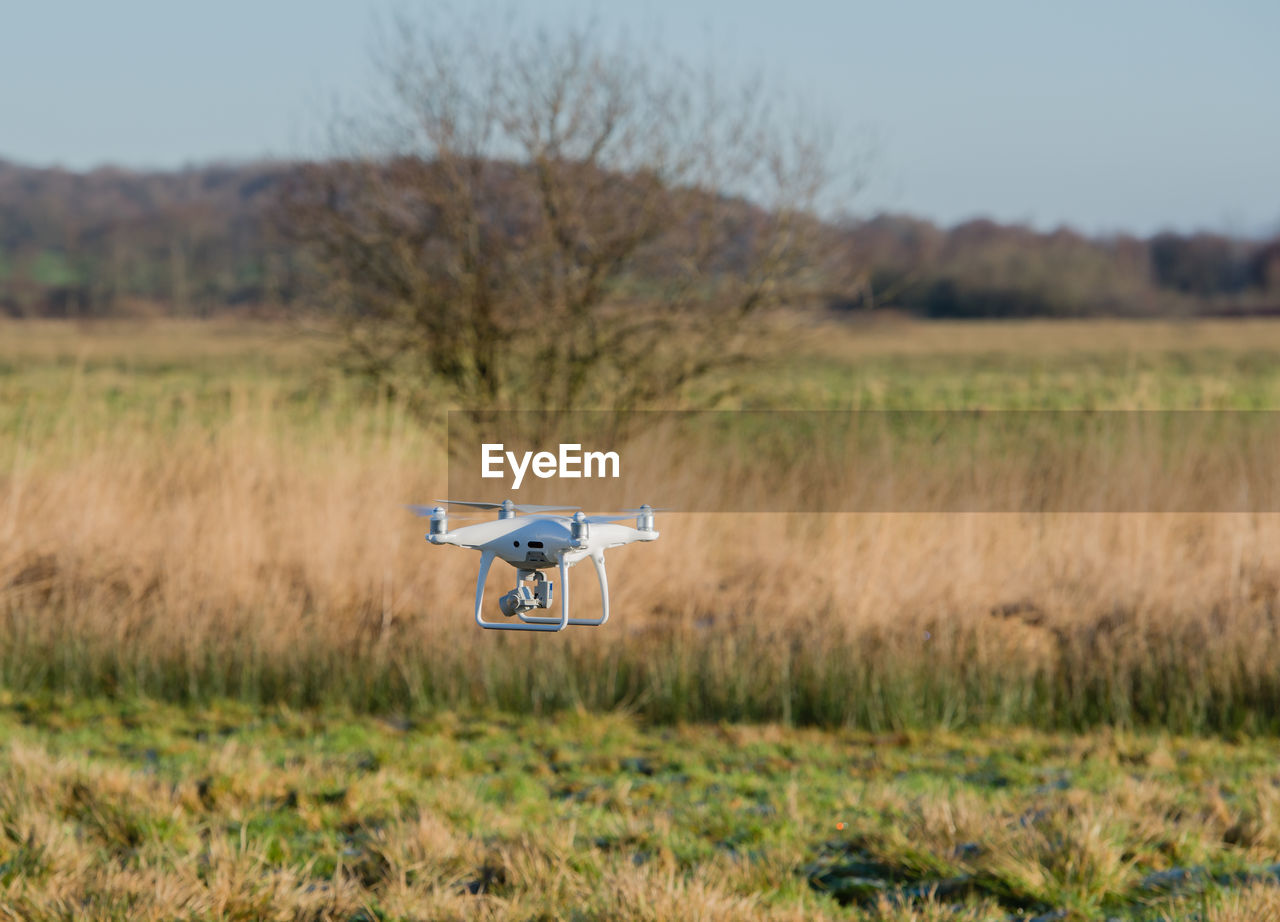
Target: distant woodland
(211,240)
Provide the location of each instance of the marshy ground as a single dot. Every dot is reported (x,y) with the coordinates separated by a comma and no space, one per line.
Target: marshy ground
(236,685)
(148,811)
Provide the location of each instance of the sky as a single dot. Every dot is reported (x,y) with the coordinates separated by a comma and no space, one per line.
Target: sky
(1121,116)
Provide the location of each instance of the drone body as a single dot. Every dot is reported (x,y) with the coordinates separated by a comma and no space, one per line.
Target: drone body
(536,542)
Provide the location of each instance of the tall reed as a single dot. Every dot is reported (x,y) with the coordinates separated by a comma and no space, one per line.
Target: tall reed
(190,538)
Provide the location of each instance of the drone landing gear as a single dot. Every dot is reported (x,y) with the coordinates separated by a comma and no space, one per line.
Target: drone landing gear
(524,598)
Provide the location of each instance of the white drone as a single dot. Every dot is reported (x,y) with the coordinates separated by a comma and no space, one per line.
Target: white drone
(533,542)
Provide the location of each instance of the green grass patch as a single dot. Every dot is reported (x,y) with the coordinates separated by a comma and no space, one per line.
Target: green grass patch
(482,810)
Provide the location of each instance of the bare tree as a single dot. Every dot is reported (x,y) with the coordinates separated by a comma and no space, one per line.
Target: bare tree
(557,221)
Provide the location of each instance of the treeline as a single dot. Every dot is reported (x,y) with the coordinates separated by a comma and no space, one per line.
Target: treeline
(206,240)
(985,269)
(114,242)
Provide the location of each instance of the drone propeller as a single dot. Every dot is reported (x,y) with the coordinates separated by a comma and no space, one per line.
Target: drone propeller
(430,510)
(518,507)
(626,514)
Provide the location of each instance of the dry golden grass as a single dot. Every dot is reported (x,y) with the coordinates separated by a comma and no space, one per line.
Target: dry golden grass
(895,336)
(876,335)
(239,530)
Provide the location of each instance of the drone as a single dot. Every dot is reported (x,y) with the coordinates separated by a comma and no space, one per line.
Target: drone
(532,539)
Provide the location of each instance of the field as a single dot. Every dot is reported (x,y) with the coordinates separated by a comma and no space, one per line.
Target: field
(239,684)
(151,812)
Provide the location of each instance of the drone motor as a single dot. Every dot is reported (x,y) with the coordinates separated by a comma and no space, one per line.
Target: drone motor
(439,521)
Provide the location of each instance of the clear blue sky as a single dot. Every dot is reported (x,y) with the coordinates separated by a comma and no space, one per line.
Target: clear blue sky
(1122,115)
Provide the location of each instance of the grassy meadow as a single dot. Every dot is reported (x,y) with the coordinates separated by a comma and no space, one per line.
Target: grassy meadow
(237,683)
(150,812)
(198,512)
